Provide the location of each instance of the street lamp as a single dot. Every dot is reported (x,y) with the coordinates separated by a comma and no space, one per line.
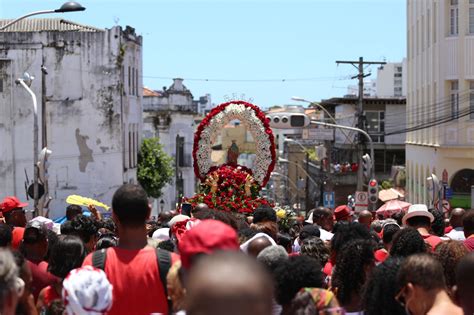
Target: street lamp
(25,82)
(70,6)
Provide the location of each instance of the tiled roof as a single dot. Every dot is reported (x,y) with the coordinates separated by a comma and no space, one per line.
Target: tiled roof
(47,25)
(150,92)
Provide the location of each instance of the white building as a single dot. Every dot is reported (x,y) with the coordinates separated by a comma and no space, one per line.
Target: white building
(170,115)
(370,89)
(204,104)
(440,60)
(392,79)
(89,106)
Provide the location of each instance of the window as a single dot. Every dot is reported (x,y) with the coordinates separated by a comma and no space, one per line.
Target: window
(428,28)
(399,69)
(397,75)
(471,99)
(129,81)
(454,18)
(471,16)
(129,149)
(1,85)
(136,82)
(375,125)
(133,81)
(454,99)
(397,91)
(422,33)
(435,12)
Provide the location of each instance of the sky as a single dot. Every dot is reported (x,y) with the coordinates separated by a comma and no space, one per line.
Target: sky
(265,51)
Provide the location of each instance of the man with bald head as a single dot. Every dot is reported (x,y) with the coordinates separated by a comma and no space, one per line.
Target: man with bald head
(257,245)
(455,220)
(228,283)
(365,218)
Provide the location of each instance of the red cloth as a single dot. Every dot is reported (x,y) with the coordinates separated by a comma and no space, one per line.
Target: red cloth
(17,237)
(136,281)
(50,295)
(328,268)
(380,255)
(448,229)
(205,238)
(469,243)
(433,240)
(41,278)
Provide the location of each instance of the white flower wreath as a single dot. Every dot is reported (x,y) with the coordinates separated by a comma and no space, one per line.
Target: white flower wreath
(260,131)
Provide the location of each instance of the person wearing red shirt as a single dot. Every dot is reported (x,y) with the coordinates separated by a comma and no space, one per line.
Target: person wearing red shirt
(468,224)
(388,231)
(14,215)
(420,218)
(132,267)
(34,247)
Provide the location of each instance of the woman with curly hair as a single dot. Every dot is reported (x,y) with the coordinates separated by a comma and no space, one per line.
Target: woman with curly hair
(380,290)
(316,248)
(343,233)
(354,264)
(406,242)
(449,253)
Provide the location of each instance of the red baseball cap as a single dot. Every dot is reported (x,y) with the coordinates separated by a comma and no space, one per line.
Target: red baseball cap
(11,202)
(342,212)
(207,237)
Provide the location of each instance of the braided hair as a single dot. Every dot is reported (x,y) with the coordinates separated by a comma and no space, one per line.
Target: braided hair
(349,276)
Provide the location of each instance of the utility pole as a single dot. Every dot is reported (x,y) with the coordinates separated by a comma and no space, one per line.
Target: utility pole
(359,65)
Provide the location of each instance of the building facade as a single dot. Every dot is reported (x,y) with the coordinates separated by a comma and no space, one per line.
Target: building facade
(89,108)
(440,97)
(384,118)
(171,115)
(392,79)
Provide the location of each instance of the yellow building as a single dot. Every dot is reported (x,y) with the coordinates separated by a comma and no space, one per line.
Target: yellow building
(440,48)
(243,138)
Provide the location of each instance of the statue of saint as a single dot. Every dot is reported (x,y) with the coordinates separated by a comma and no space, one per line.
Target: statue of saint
(233,153)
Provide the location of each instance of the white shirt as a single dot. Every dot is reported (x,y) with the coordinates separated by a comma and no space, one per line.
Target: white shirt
(456,234)
(325,235)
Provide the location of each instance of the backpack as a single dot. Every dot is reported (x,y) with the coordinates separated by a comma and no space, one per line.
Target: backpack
(163,258)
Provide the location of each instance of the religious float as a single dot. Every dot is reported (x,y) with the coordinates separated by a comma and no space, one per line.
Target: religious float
(232,187)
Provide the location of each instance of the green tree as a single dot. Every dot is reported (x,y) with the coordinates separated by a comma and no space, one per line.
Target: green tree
(155,167)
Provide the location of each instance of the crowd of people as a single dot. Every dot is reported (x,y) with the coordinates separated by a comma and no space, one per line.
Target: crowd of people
(213,262)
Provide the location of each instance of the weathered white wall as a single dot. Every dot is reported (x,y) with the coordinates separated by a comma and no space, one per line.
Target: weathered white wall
(176,118)
(87,115)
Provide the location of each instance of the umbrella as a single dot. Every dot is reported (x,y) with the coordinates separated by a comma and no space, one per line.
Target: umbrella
(392,207)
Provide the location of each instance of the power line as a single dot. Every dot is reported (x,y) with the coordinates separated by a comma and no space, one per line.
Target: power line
(437,122)
(310,79)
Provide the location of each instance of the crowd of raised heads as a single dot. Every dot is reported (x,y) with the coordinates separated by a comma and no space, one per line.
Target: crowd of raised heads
(329,262)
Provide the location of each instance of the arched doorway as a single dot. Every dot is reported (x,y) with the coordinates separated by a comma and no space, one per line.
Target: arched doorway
(461,185)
